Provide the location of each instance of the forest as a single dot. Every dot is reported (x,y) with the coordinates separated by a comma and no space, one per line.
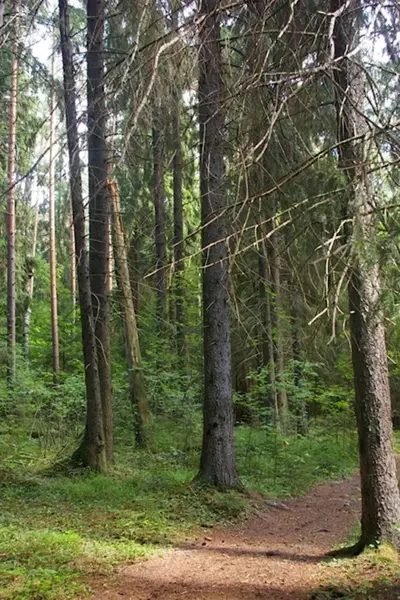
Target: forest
(200,299)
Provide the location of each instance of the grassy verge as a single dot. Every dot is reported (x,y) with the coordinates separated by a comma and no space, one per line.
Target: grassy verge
(374,575)
(52,530)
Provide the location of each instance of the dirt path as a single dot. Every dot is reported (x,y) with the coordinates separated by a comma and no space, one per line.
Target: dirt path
(273,556)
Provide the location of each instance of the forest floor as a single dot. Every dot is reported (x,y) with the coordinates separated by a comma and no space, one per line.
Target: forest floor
(276,554)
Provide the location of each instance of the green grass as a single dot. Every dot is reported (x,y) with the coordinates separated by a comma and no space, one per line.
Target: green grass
(54,529)
(374,575)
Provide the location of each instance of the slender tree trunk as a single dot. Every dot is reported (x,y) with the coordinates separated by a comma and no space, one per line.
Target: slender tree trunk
(267,344)
(137,387)
(380,512)
(159,215)
(52,248)
(217,463)
(11,252)
(134,270)
(300,408)
(29,286)
(91,452)
(99,208)
(72,273)
(178,211)
(275,266)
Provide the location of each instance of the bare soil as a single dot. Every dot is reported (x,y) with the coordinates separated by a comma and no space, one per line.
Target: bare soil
(275,554)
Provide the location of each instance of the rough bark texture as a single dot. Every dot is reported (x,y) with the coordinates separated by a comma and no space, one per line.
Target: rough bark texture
(379,488)
(159,219)
(99,208)
(52,245)
(91,452)
(267,344)
(137,387)
(217,463)
(12,123)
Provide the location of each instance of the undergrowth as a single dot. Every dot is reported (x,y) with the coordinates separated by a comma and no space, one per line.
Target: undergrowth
(55,529)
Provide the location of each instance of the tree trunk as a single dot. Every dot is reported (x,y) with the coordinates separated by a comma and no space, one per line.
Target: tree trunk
(267,343)
(178,211)
(159,215)
(52,246)
(11,256)
(380,513)
(218,462)
(72,273)
(29,286)
(134,270)
(137,387)
(300,407)
(276,312)
(91,451)
(99,208)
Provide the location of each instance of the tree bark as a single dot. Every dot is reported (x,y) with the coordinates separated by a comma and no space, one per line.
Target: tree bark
(72,273)
(134,270)
(99,208)
(11,251)
(274,248)
(380,513)
(218,462)
(300,408)
(178,210)
(52,245)
(91,451)
(29,286)
(159,218)
(267,343)
(137,387)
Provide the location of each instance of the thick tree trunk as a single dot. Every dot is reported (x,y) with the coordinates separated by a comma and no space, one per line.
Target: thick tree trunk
(217,463)
(11,256)
(274,249)
(267,344)
(91,452)
(52,245)
(137,387)
(29,286)
(99,208)
(380,513)
(159,219)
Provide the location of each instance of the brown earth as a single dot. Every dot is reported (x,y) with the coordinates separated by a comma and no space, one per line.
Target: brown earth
(274,555)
